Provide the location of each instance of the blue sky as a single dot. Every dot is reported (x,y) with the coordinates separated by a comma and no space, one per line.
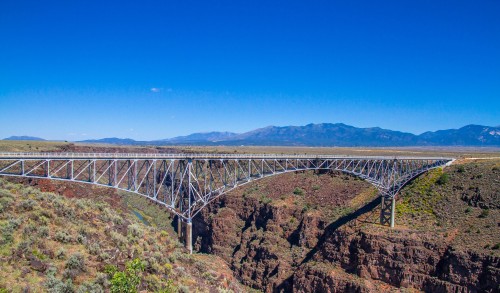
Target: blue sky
(156,69)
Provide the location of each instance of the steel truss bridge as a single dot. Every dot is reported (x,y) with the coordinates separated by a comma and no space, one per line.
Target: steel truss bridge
(185,183)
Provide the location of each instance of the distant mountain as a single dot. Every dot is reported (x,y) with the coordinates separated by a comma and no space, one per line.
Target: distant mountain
(324,134)
(214,136)
(470,135)
(23,137)
(113,140)
(328,134)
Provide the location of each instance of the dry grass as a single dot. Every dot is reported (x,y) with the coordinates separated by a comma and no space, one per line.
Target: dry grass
(456,152)
(30,146)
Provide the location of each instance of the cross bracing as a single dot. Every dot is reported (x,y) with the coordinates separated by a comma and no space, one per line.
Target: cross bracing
(185,183)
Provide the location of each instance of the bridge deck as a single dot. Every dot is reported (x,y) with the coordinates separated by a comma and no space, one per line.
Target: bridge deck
(128,156)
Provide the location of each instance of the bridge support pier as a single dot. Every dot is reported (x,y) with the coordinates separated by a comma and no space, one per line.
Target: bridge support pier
(387,211)
(185,233)
(179,228)
(189,236)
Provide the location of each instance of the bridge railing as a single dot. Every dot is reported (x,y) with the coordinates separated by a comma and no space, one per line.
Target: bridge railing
(54,155)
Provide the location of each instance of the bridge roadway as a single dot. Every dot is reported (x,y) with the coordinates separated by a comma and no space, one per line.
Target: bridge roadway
(185,183)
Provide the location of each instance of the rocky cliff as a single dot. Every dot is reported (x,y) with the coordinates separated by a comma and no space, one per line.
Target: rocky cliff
(277,236)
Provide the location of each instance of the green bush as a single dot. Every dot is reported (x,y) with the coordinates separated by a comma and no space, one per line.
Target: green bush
(298,191)
(128,280)
(76,262)
(443,179)
(461,169)
(63,237)
(110,270)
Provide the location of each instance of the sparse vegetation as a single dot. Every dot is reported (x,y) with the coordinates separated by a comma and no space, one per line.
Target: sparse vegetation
(52,244)
(443,179)
(298,191)
(484,213)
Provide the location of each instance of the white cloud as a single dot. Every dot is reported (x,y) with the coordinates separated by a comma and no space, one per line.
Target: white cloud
(155,89)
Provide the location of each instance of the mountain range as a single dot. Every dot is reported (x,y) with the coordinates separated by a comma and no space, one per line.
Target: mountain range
(329,134)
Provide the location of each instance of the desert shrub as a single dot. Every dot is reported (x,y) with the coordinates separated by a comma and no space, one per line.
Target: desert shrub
(7,231)
(461,169)
(117,220)
(183,289)
(38,254)
(76,262)
(63,237)
(65,211)
(265,200)
(134,231)
(167,268)
(152,266)
(169,288)
(61,253)
(29,229)
(27,205)
(106,215)
(496,246)
(6,203)
(100,206)
(81,239)
(24,246)
(28,190)
(103,256)
(128,280)
(15,223)
(57,286)
(468,210)
(94,248)
(298,191)
(81,204)
(90,287)
(82,230)
(102,279)
(118,238)
(443,179)
(153,283)
(484,213)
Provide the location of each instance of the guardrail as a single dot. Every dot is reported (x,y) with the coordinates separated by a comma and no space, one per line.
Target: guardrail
(15,155)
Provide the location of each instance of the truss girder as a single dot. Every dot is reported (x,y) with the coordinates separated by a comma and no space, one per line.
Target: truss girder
(186,184)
